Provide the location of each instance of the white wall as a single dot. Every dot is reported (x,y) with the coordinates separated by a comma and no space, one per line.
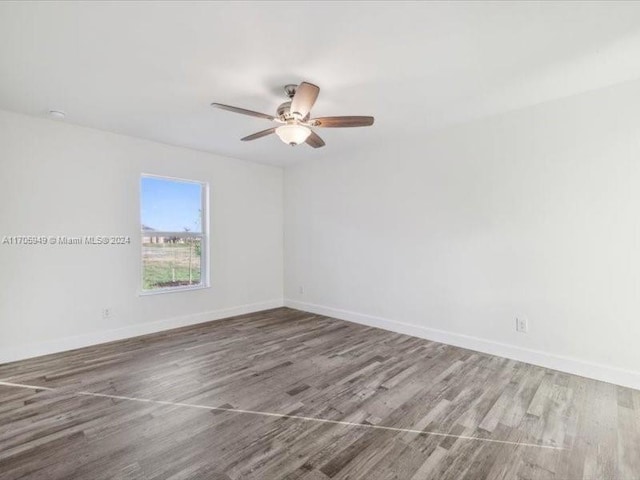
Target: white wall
(452,235)
(59,179)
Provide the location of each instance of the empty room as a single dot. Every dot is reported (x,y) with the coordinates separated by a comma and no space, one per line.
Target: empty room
(324,240)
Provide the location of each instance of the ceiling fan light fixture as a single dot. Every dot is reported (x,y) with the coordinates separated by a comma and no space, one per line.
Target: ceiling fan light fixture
(293,134)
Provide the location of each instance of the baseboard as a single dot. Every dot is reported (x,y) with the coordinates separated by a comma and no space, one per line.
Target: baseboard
(21,352)
(605,373)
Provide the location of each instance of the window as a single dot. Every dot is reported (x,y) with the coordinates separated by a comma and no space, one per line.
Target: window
(173,215)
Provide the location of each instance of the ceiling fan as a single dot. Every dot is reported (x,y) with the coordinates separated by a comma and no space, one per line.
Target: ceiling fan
(294,117)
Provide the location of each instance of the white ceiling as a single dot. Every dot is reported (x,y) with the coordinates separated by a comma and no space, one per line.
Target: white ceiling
(152,69)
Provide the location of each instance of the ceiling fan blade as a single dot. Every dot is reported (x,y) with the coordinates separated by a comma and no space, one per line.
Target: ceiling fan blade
(243,111)
(305,97)
(261,134)
(314,140)
(340,122)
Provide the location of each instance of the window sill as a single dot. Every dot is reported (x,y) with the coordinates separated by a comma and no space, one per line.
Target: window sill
(159,291)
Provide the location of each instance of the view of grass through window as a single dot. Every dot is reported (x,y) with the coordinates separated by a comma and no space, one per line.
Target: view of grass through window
(172,235)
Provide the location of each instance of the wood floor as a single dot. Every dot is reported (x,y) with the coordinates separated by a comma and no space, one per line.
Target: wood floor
(284,394)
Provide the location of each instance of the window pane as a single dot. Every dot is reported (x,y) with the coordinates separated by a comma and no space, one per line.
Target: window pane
(168,205)
(170,261)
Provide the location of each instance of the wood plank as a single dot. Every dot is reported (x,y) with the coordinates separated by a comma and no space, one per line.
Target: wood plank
(287,362)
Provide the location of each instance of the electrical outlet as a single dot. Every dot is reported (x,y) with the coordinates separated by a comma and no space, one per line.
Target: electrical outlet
(106,312)
(301,290)
(522,325)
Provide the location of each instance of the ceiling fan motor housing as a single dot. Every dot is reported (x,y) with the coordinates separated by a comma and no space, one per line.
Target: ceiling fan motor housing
(284,111)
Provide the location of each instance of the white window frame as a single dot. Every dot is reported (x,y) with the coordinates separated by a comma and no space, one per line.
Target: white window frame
(203,236)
